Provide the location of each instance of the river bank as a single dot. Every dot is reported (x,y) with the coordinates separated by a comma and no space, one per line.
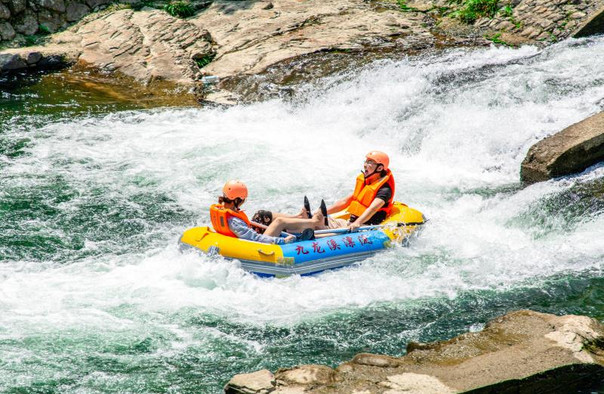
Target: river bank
(215,54)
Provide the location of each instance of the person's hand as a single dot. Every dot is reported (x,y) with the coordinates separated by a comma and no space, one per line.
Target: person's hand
(354,226)
(289,239)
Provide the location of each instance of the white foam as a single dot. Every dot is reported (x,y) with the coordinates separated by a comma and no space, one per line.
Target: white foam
(455,125)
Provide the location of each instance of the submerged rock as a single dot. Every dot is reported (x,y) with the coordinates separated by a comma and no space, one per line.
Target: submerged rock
(523,351)
(569,151)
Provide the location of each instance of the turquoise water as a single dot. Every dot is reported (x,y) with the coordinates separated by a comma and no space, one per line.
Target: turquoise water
(94,194)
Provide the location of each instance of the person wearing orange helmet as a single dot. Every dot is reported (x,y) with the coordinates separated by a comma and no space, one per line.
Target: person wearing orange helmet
(228,218)
(371,201)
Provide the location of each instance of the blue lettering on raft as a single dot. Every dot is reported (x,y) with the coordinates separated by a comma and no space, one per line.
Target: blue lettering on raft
(337,245)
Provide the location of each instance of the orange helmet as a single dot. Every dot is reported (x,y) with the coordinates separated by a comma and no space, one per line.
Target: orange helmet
(235,189)
(379,157)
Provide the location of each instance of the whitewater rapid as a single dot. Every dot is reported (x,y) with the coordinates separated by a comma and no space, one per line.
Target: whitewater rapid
(456,126)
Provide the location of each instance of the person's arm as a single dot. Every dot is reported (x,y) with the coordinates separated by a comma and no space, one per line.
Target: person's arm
(243,231)
(340,204)
(375,206)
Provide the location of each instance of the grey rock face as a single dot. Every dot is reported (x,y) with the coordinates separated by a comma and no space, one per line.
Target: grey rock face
(55,5)
(95,3)
(75,11)
(6,31)
(4,12)
(53,21)
(569,151)
(16,6)
(27,24)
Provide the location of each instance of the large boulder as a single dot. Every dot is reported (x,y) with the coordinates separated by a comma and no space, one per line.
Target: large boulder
(9,62)
(146,45)
(6,31)
(569,151)
(521,352)
(4,12)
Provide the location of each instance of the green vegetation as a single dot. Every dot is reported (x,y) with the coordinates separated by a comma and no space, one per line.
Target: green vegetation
(506,11)
(181,9)
(31,40)
(404,7)
(205,60)
(474,9)
(496,39)
(38,38)
(43,29)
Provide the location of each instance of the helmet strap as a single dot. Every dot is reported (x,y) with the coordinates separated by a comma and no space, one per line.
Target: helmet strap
(373,173)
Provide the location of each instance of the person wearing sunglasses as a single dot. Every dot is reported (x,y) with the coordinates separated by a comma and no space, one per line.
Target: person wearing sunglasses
(371,201)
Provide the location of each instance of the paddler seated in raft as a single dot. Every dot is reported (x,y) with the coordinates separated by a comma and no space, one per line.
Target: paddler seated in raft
(228,219)
(371,201)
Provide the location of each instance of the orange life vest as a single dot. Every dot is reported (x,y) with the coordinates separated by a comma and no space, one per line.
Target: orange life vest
(364,194)
(219,215)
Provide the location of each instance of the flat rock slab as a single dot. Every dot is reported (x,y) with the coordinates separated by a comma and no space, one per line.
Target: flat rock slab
(523,351)
(239,38)
(569,151)
(252,35)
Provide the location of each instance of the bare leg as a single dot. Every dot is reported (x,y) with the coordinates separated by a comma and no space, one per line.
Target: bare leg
(292,224)
(300,215)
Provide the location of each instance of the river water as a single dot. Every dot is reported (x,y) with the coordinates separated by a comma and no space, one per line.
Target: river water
(96,297)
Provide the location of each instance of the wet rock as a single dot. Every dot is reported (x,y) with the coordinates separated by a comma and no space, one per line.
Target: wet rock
(33,58)
(523,351)
(257,382)
(11,62)
(569,151)
(6,31)
(53,62)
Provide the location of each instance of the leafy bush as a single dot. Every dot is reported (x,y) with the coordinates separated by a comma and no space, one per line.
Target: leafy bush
(506,11)
(31,40)
(474,9)
(43,29)
(182,9)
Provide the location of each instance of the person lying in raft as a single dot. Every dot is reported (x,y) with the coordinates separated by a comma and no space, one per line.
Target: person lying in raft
(371,201)
(228,219)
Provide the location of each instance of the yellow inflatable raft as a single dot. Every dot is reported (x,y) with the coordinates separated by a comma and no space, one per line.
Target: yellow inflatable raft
(331,249)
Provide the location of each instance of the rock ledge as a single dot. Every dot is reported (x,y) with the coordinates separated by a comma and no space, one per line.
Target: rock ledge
(520,352)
